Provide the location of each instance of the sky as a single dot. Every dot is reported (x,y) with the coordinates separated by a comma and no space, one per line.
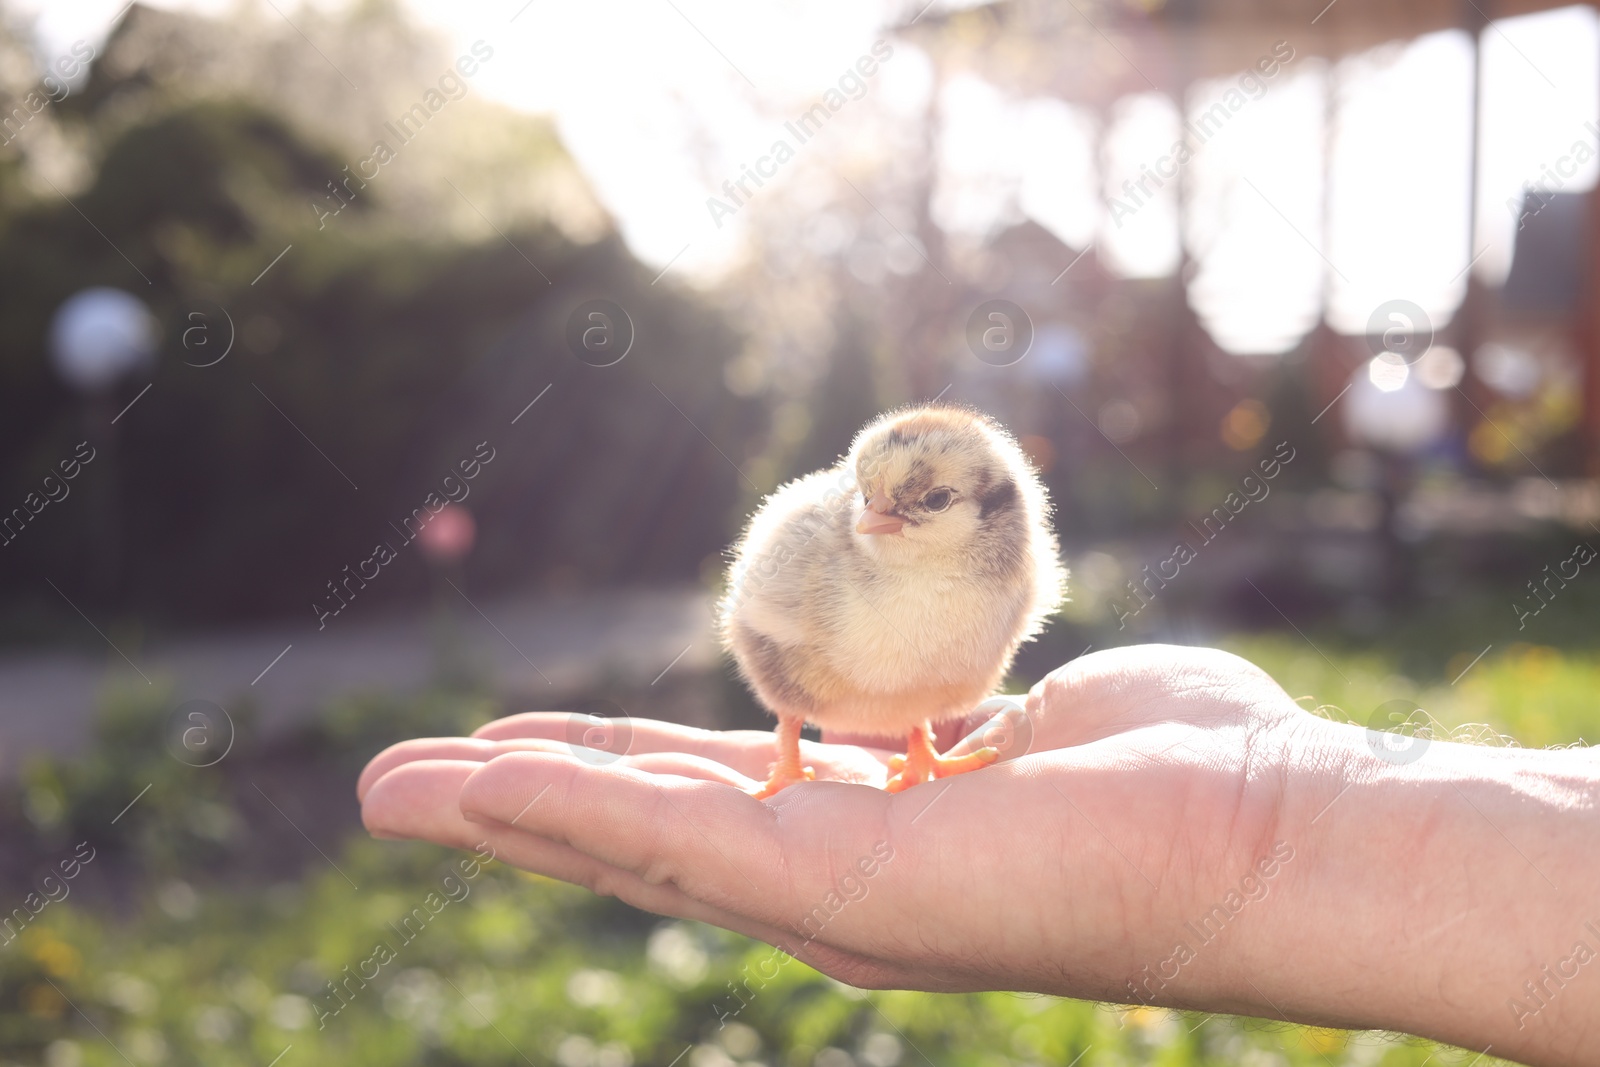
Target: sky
(661,101)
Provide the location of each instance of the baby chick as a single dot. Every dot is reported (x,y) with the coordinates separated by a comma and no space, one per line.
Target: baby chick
(893,589)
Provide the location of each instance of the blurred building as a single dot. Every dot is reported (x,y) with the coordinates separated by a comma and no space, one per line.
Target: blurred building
(1524,393)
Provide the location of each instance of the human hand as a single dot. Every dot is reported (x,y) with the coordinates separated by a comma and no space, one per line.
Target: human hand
(1169,798)
(1136,778)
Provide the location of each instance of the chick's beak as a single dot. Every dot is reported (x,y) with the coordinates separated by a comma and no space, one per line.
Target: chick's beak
(876,518)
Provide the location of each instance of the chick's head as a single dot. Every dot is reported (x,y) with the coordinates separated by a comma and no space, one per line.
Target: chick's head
(942,482)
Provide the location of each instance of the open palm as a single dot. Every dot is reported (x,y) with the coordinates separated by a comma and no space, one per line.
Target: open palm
(1133,799)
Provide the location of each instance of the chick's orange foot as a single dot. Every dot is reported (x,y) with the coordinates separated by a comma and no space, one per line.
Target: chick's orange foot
(782,778)
(787,770)
(922,763)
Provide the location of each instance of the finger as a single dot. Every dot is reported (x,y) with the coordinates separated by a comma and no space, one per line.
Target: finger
(564,863)
(440,748)
(421,800)
(472,750)
(878,742)
(687,766)
(747,751)
(645,830)
(1007,724)
(946,732)
(863,772)
(716,844)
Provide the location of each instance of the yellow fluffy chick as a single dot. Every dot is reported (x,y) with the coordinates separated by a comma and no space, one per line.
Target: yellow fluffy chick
(892,590)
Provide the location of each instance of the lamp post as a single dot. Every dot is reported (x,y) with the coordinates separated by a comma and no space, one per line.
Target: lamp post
(1395,408)
(98,337)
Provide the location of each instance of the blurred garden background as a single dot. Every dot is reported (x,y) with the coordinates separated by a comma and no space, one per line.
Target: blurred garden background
(1307,290)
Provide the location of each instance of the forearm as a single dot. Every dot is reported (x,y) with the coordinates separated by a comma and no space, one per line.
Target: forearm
(1453,896)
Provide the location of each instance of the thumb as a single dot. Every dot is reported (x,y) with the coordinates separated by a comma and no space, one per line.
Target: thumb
(1001,723)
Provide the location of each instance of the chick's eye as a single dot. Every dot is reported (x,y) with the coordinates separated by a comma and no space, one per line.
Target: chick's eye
(937,500)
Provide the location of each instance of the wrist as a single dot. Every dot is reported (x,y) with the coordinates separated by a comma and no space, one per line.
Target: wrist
(1441,889)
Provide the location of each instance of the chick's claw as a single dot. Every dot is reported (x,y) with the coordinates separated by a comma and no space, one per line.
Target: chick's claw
(924,767)
(781,778)
(787,770)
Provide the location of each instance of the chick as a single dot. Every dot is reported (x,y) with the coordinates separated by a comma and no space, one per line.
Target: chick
(892,590)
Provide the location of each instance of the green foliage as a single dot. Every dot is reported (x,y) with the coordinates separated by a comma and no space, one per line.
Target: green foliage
(520,969)
(1532,695)
(373,354)
(71,801)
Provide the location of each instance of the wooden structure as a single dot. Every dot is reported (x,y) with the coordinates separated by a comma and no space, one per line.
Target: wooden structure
(1093,53)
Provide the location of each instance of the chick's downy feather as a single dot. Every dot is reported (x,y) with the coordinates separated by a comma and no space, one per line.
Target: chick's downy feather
(877,632)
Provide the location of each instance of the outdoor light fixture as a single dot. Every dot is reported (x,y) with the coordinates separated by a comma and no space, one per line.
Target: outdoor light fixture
(99,336)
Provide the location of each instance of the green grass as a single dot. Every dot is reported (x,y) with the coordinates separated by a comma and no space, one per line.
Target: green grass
(524,967)
(188,962)
(1532,695)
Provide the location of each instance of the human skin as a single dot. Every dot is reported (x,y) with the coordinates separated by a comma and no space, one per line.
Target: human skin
(1414,896)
